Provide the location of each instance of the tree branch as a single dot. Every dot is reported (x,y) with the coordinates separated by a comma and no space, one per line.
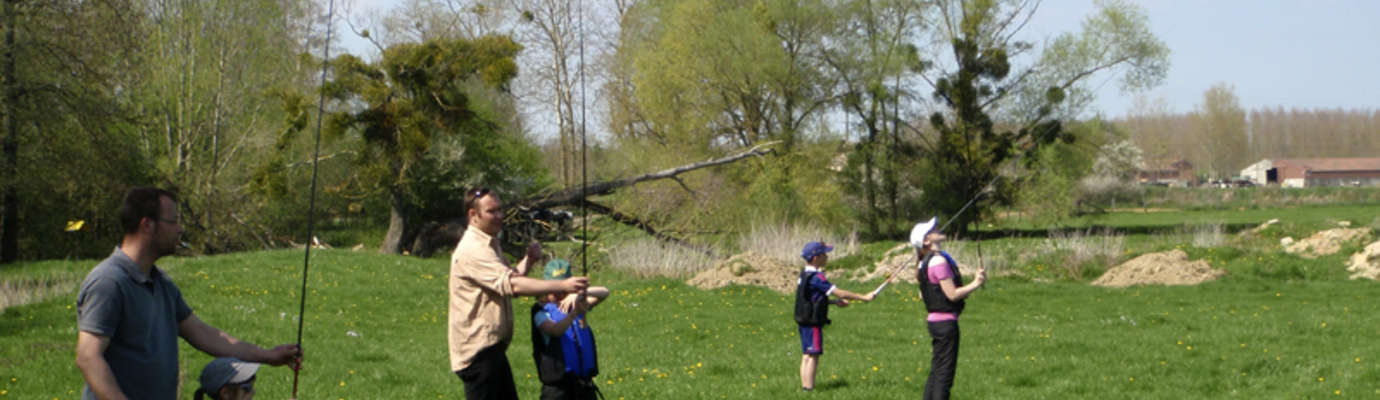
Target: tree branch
(644,226)
(574,196)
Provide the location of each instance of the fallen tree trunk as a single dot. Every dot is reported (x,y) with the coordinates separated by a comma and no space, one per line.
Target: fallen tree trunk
(573,196)
(577,196)
(644,226)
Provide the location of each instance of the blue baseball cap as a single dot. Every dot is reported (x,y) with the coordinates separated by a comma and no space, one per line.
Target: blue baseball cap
(813,249)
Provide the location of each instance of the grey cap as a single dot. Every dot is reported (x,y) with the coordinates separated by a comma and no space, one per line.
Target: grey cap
(224,370)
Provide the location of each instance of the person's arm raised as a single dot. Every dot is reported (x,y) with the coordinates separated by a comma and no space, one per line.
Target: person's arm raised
(217,343)
(532,256)
(847,295)
(960,293)
(524,286)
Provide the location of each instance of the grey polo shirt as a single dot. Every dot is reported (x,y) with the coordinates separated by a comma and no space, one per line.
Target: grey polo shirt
(139,313)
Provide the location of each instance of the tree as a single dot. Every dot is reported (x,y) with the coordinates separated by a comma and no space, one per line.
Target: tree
(210,73)
(1224,131)
(421,119)
(707,74)
(970,145)
(66,138)
(875,65)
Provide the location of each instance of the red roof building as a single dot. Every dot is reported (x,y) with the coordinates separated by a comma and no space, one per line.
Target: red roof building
(1313,172)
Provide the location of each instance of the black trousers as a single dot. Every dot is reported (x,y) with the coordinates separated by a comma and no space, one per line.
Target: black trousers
(489,377)
(570,388)
(944,361)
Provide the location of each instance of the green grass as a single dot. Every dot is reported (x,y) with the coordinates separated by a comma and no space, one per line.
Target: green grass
(1156,222)
(1248,336)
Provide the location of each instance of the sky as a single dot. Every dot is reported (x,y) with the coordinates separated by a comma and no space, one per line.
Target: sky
(1275,53)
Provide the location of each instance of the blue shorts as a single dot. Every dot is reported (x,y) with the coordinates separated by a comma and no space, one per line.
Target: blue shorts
(811,340)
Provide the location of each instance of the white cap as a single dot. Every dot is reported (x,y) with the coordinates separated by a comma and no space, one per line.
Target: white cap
(917,234)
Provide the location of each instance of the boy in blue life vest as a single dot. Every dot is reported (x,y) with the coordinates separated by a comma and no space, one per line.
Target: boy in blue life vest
(942,289)
(563,344)
(812,302)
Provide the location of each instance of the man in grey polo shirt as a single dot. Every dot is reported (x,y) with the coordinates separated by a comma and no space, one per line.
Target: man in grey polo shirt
(129,314)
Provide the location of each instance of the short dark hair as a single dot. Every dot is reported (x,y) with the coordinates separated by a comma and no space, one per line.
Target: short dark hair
(140,203)
(472,197)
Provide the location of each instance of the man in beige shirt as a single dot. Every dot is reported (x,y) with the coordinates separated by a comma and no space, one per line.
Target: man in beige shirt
(482,285)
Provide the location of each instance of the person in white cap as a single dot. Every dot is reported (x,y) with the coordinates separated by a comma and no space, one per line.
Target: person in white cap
(942,289)
(227,378)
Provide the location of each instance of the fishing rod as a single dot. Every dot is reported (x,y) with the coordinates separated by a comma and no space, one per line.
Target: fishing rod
(584,169)
(311,204)
(920,242)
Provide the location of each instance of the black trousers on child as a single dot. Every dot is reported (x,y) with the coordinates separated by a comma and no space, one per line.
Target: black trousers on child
(489,377)
(944,362)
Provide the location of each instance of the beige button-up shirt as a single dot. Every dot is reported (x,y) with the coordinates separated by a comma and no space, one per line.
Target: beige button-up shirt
(481,291)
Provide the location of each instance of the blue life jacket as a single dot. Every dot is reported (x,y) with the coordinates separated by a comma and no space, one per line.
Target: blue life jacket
(574,355)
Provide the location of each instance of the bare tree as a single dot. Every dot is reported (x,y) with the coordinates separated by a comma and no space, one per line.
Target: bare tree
(1224,130)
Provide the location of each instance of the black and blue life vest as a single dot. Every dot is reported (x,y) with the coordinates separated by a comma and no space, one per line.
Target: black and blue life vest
(574,355)
(935,300)
(811,307)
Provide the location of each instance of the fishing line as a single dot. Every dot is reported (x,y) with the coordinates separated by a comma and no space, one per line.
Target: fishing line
(311,204)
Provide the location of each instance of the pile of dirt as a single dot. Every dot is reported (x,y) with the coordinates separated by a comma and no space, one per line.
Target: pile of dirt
(1163,268)
(749,268)
(1366,263)
(1325,242)
(897,257)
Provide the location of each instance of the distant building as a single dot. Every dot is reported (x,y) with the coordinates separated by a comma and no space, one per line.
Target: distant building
(1171,172)
(1314,172)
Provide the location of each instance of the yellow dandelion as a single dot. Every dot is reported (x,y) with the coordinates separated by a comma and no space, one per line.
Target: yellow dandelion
(1320,379)
(1190,348)
(1133,379)
(342,383)
(1358,359)
(874,368)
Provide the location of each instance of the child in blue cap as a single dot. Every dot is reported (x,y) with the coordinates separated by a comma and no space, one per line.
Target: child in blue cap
(812,302)
(563,344)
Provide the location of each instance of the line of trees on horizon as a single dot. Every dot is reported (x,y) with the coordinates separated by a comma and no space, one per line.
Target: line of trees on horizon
(1220,138)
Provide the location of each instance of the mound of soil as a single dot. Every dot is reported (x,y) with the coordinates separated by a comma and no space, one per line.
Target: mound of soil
(1366,263)
(896,257)
(749,268)
(1163,268)
(1325,242)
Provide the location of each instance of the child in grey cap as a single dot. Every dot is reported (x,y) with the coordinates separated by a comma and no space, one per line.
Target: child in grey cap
(227,378)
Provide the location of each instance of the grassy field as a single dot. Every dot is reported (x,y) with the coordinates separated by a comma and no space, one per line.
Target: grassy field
(376,329)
